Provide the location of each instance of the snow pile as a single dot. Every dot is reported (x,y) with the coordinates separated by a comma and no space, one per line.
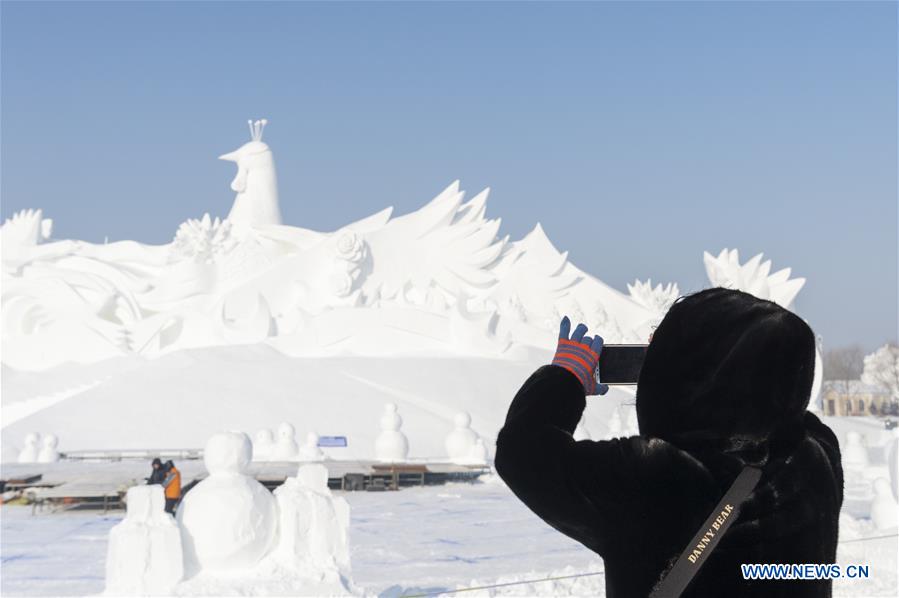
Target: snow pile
(228,521)
(144,554)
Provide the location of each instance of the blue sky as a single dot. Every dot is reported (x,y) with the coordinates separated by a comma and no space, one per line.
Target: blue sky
(638,134)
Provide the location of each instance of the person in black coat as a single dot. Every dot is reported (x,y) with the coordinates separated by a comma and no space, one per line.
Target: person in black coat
(725,383)
(158,474)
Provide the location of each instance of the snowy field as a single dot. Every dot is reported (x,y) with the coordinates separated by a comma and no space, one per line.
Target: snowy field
(415,541)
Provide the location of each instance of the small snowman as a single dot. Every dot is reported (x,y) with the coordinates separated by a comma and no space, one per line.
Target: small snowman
(614,424)
(48,452)
(286,448)
(884,507)
(855,455)
(144,554)
(313,526)
(461,439)
(228,521)
(391,445)
(263,445)
(31,451)
(310,451)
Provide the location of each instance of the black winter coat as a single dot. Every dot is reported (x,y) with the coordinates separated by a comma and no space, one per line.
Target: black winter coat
(638,501)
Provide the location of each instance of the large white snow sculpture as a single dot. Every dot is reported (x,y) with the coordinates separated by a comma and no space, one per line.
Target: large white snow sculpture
(441,285)
(256,184)
(391,445)
(313,527)
(439,280)
(228,521)
(144,555)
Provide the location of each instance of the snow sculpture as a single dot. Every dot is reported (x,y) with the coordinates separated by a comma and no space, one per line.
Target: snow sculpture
(752,277)
(884,508)
(228,521)
(25,229)
(263,445)
(391,445)
(310,451)
(48,452)
(256,185)
(313,527)
(144,555)
(205,241)
(31,450)
(461,440)
(286,448)
(657,299)
(855,454)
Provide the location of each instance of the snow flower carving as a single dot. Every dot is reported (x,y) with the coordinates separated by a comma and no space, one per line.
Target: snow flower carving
(350,247)
(204,241)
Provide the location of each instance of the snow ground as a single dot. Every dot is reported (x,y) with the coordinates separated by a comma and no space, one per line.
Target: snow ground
(418,540)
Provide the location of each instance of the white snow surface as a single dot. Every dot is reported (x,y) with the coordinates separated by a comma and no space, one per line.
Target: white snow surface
(412,541)
(179,400)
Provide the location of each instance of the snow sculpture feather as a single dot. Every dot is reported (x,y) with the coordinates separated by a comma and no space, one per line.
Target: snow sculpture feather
(752,277)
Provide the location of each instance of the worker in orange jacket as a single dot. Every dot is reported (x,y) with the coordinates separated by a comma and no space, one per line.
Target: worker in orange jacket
(172,485)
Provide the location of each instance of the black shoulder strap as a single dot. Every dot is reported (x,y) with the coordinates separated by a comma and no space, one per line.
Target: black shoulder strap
(706,539)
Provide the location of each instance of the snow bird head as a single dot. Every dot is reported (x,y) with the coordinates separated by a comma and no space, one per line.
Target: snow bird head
(256,183)
(251,154)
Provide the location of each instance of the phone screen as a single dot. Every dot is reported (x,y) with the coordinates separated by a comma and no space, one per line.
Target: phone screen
(621,364)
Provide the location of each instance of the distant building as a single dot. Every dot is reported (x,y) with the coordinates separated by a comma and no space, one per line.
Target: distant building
(852,397)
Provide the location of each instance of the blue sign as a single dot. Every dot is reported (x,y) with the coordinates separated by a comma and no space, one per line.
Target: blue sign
(332,441)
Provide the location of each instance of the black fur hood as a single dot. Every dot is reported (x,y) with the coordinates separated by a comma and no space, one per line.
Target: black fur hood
(727,368)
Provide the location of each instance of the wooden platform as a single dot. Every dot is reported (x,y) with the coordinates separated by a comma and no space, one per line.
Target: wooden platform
(85,483)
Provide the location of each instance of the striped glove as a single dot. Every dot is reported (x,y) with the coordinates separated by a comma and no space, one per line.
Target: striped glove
(580,356)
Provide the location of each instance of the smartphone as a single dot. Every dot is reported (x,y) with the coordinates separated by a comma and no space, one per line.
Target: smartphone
(621,364)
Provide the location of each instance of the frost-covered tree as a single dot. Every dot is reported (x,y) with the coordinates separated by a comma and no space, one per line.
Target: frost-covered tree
(882,370)
(843,366)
